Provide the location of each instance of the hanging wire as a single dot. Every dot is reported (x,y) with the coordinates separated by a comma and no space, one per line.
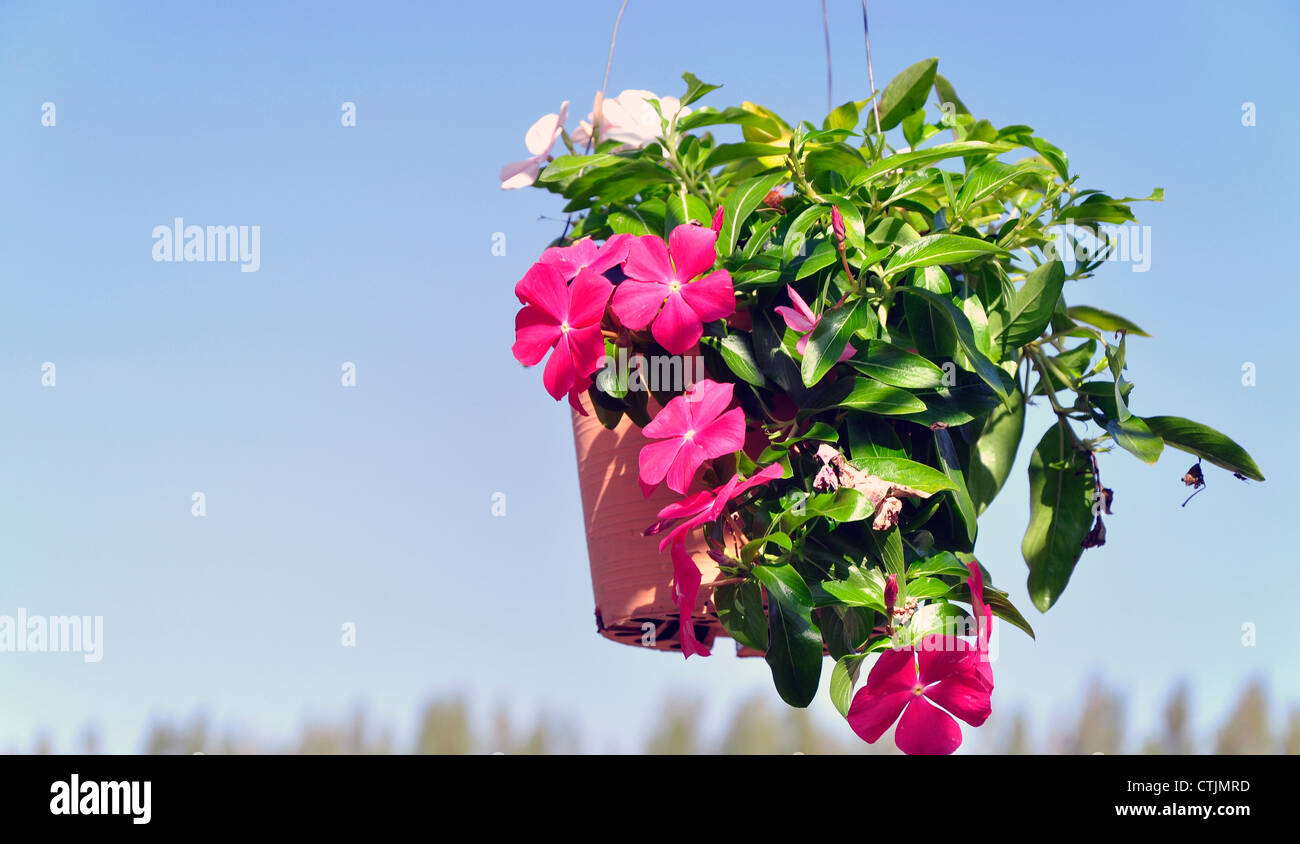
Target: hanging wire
(826,28)
(599,105)
(871,76)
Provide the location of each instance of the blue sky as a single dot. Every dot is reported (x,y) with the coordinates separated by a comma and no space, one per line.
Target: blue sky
(371,504)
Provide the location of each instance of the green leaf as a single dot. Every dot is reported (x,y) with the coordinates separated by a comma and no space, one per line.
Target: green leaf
(936,249)
(684,210)
(1034,303)
(842,117)
(927,587)
(1061,490)
(904,94)
(863,394)
(843,678)
(794,652)
(862,588)
(724,153)
(897,367)
(785,585)
(945,562)
(929,155)
(740,203)
(939,619)
(951,465)
(1135,436)
(985,180)
(738,353)
(988,371)
(740,610)
(898,470)
(843,505)
(695,88)
(1104,320)
(829,338)
(993,451)
(568,166)
(947,94)
(1205,442)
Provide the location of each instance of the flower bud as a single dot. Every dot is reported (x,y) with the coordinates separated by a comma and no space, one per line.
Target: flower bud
(891,593)
(717,219)
(837,225)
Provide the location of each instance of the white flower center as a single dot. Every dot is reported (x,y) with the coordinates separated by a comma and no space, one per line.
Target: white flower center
(564,327)
(690,433)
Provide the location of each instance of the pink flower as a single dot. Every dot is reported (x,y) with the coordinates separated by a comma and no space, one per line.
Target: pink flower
(586,255)
(702,507)
(540,138)
(693,428)
(909,682)
(802,320)
(686,589)
(983,624)
(717,220)
(561,317)
(707,505)
(630,118)
(672,277)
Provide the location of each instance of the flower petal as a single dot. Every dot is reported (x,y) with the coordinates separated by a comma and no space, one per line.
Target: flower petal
(559,376)
(871,714)
(686,585)
(925,729)
(636,302)
(655,459)
(612,253)
(647,260)
(588,296)
(520,174)
(894,671)
(794,320)
(682,471)
(712,297)
(939,657)
(587,348)
(965,696)
(693,249)
(723,435)
(570,259)
(800,305)
(542,134)
(535,333)
(677,327)
(673,420)
(544,287)
(706,400)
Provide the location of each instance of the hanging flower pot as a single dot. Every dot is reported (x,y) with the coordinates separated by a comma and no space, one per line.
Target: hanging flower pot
(631,581)
(873,315)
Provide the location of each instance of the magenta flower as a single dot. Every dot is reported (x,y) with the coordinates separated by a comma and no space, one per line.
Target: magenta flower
(693,428)
(667,285)
(717,219)
(586,255)
(983,624)
(706,506)
(908,682)
(686,589)
(802,320)
(561,317)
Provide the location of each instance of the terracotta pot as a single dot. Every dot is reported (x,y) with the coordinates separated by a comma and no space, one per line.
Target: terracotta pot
(631,580)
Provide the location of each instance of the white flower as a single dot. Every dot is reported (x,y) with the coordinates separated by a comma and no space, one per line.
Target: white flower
(630,118)
(539,140)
